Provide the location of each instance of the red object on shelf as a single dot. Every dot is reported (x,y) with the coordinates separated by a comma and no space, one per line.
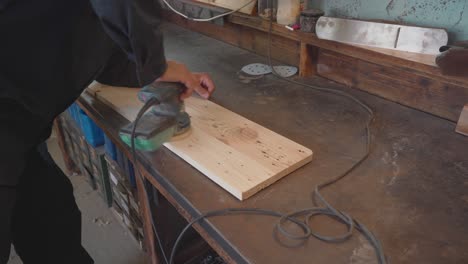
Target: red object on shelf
(293,27)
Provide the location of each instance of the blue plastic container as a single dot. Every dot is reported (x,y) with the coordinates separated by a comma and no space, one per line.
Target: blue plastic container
(110,148)
(75,113)
(92,133)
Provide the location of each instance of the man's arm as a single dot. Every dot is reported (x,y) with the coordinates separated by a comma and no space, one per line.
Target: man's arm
(135,26)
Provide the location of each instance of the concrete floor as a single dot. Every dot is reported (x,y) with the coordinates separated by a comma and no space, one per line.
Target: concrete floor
(106,240)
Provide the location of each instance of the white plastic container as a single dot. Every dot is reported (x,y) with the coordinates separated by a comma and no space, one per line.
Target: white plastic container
(288,11)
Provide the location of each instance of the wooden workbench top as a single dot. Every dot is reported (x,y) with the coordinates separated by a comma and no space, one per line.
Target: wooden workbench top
(411,192)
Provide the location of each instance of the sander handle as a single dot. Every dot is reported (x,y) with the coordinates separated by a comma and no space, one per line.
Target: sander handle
(162,91)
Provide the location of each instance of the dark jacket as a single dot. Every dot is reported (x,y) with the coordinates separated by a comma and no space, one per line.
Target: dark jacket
(50,50)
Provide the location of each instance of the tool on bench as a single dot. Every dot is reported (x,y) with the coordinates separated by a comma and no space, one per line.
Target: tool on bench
(382,35)
(165,119)
(161,117)
(453,59)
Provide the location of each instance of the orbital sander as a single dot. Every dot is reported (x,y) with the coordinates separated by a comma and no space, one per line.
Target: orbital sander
(162,117)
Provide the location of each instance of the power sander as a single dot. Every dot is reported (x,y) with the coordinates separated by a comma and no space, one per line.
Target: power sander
(162,117)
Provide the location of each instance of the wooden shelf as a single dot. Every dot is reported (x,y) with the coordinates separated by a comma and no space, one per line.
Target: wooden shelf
(410,79)
(414,62)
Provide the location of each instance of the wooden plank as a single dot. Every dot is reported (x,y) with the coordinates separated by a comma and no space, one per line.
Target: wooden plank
(283,49)
(236,153)
(426,59)
(442,99)
(422,64)
(147,221)
(264,25)
(462,126)
(228,33)
(308,60)
(229,4)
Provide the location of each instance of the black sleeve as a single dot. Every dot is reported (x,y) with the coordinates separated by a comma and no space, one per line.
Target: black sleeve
(7,202)
(135,26)
(119,71)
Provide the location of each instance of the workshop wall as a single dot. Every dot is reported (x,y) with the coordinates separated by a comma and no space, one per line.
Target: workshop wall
(448,14)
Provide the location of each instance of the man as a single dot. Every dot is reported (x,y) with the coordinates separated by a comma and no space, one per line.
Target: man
(50,50)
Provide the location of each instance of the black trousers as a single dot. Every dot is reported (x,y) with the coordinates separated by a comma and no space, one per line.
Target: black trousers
(46,221)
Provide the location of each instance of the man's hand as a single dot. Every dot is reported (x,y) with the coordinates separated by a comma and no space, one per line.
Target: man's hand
(198,82)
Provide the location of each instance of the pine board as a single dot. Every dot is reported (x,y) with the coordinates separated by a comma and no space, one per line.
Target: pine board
(462,126)
(229,4)
(239,155)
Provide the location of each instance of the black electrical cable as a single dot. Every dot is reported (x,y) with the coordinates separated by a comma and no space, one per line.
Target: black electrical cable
(151,102)
(206,19)
(229,211)
(326,210)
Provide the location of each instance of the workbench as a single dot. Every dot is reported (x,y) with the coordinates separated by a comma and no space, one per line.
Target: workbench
(411,192)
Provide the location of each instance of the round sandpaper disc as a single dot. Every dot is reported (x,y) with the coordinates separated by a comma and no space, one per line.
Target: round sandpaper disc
(285,71)
(256,69)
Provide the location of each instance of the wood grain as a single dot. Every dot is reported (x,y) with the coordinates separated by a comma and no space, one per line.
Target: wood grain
(436,97)
(462,126)
(308,60)
(283,49)
(236,153)
(147,226)
(426,59)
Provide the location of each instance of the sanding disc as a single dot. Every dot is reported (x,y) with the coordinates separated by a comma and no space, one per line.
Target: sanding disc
(256,69)
(285,71)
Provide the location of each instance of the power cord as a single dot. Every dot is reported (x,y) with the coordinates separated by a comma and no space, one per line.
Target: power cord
(205,19)
(151,102)
(229,211)
(327,209)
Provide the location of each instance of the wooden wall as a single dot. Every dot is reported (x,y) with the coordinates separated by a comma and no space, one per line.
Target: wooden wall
(437,97)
